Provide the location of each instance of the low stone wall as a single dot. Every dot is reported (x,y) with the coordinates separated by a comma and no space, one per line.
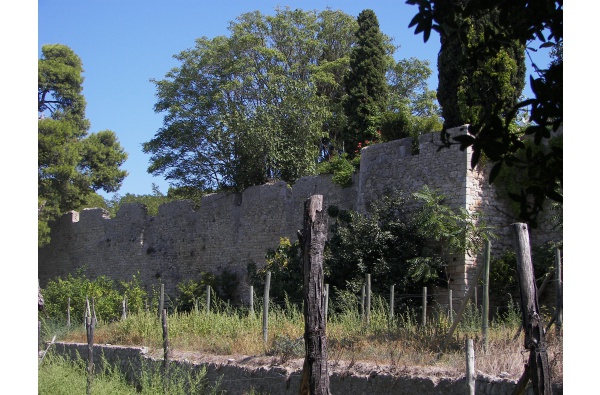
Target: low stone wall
(239,376)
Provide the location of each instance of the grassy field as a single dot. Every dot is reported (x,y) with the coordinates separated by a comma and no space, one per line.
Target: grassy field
(401,342)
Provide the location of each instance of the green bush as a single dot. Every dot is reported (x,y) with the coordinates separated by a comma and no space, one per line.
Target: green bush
(285,264)
(107,297)
(194,291)
(341,167)
(503,270)
(396,246)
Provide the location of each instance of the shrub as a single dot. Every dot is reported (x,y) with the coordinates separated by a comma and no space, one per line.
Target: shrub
(194,291)
(341,167)
(107,296)
(398,246)
(285,264)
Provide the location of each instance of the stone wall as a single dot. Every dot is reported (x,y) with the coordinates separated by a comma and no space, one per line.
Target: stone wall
(237,376)
(230,230)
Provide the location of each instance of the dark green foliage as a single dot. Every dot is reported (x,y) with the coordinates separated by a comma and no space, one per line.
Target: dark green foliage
(341,167)
(193,292)
(503,270)
(150,201)
(379,244)
(286,267)
(366,85)
(475,82)
(72,165)
(395,246)
(108,296)
(248,108)
(520,22)
(395,125)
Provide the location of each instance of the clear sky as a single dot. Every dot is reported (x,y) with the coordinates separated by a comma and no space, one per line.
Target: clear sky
(124,44)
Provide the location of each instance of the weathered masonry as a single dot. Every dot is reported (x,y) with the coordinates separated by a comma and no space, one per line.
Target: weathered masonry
(230,230)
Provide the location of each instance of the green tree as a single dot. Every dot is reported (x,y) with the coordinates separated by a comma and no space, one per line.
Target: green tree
(492,134)
(72,165)
(474,83)
(409,248)
(244,109)
(151,201)
(337,34)
(412,109)
(366,84)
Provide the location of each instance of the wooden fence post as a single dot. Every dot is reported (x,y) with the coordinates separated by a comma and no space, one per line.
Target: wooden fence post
(69,313)
(450,309)
(462,308)
(315,377)
(165,351)
(559,291)
(362,304)
(392,296)
(485,314)
(90,322)
(532,322)
(424,308)
(252,300)
(124,312)
(326,301)
(471,375)
(266,308)
(368,306)
(161,301)
(208,299)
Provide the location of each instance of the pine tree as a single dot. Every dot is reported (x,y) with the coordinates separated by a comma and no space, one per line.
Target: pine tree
(366,83)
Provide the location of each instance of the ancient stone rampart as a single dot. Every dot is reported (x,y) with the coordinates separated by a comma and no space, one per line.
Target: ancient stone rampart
(230,230)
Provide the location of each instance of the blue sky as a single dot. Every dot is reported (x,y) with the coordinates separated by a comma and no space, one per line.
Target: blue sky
(124,44)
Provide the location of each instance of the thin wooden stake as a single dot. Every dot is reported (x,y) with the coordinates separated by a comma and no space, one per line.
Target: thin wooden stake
(326,301)
(69,313)
(471,374)
(124,313)
(392,296)
(485,314)
(161,301)
(368,306)
(362,304)
(165,351)
(462,308)
(559,291)
(208,299)
(251,300)
(266,308)
(424,308)
(89,329)
(450,309)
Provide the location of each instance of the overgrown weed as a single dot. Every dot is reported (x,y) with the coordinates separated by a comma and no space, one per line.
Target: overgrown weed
(400,341)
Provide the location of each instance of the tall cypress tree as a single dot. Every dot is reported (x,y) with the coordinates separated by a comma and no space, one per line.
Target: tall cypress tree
(366,84)
(476,80)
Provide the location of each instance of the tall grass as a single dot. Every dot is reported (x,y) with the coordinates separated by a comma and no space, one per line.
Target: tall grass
(58,375)
(400,341)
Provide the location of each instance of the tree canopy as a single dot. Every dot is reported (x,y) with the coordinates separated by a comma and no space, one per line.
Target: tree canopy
(523,22)
(366,82)
(72,164)
(265,102)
